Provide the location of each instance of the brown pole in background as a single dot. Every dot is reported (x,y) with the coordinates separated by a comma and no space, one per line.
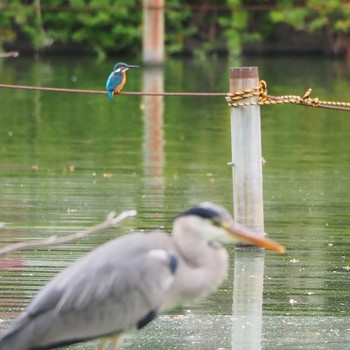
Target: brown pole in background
(153,32)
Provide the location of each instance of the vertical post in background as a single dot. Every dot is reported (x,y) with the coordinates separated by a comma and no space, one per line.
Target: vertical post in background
(153,107)
(246,153)
(153,140)
(153,32)
(248,210)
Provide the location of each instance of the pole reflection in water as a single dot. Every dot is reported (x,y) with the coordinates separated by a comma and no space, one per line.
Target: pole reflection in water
(153,143)
(248,283)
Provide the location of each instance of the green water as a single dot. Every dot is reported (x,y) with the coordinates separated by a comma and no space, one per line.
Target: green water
(69,159)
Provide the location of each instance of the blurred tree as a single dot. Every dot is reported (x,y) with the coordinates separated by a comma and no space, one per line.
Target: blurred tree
(332,17)
(196,27)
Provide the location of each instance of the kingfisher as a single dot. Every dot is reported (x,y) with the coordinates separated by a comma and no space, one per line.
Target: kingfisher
(117,78)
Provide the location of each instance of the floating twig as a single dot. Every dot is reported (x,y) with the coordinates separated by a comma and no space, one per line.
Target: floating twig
(111,221)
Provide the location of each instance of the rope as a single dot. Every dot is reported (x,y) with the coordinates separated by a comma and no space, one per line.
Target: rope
(233,99)
(99,92)
(265,99)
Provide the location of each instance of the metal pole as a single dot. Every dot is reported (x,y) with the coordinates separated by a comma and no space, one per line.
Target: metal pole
(153,32)
(246,154)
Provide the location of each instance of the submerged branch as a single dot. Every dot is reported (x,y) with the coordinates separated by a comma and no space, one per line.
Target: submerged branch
(111,221)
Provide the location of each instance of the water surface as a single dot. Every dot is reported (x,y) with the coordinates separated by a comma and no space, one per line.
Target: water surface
(69,159)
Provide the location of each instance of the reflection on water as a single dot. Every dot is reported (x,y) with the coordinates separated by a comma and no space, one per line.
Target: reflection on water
(248,283)
(67,160)
(153,140)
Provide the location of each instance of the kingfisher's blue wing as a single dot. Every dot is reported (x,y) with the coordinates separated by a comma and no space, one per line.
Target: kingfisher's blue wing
(113,81)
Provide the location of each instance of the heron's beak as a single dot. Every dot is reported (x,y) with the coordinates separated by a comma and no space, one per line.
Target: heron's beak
(242,233)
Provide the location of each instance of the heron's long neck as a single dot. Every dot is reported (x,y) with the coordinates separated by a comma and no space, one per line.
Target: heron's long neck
(206,263)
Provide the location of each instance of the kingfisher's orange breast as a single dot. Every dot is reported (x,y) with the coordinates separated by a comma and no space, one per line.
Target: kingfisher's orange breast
(120,86)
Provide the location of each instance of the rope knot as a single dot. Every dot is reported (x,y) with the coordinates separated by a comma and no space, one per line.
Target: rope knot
(233,99)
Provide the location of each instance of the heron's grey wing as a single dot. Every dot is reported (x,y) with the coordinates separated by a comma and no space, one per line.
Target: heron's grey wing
(99,295)
(104,257)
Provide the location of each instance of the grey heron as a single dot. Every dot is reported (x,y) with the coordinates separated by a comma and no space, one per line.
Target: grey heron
(125,283)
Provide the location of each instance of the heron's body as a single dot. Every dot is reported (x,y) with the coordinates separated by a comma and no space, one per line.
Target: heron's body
(121,285)
(117,79)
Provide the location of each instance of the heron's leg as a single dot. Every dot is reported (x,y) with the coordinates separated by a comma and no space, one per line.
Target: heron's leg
(115,342)
(102,344)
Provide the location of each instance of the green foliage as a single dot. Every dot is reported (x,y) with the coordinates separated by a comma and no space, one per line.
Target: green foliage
(23,19)
(101,25)
(7,33)
(234,26)
(314,15)
(242,26)
(177,27)
(115,26)
(290,15)
(7,18)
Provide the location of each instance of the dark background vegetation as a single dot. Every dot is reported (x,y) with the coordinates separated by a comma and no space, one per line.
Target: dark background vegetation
(198,28)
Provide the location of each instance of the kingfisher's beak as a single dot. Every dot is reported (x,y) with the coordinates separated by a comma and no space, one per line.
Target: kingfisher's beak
(242,233)
(129,66)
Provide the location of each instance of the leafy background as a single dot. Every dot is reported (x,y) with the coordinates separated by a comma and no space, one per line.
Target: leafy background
(199,28)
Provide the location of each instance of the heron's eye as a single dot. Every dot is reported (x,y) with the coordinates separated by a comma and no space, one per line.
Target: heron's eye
(216,221)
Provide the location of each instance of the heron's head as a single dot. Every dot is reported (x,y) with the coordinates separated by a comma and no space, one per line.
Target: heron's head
(214,223)
(123,67)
